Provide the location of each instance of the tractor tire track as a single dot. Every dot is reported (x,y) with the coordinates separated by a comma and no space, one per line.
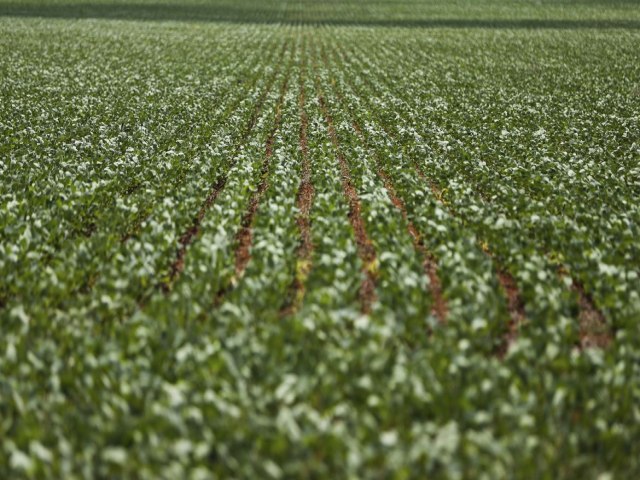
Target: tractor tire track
(515,306)
(594,331)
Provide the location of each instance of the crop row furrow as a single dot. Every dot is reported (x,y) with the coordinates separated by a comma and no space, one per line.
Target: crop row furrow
(259,290)
(430,265)
(399,266)
(304,203)
(334,284)
(413,152)
(244,236)
(461,259)
(191,233)
(366,251)
(606,277)
(587,309)
(208,273)
(79,264)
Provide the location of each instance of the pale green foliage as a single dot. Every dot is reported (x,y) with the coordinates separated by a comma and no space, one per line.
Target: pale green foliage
(114,132)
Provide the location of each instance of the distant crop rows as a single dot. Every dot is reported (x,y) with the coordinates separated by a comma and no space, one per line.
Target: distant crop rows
(286,250)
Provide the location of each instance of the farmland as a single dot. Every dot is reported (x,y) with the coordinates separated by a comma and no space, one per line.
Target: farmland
(320,239)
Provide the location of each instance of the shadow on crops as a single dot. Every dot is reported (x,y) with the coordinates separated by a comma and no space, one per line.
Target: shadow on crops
(245,14)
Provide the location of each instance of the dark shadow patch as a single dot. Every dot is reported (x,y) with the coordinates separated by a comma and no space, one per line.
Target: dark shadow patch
(244,14)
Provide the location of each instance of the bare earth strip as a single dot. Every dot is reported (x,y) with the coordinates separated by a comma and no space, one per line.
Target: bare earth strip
(430,265)
(508,284)
(366,250)
(515,305)
(594,330)
(244,237)
(304,202)
(177,266)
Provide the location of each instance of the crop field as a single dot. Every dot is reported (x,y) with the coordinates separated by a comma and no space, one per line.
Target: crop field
(319,239)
